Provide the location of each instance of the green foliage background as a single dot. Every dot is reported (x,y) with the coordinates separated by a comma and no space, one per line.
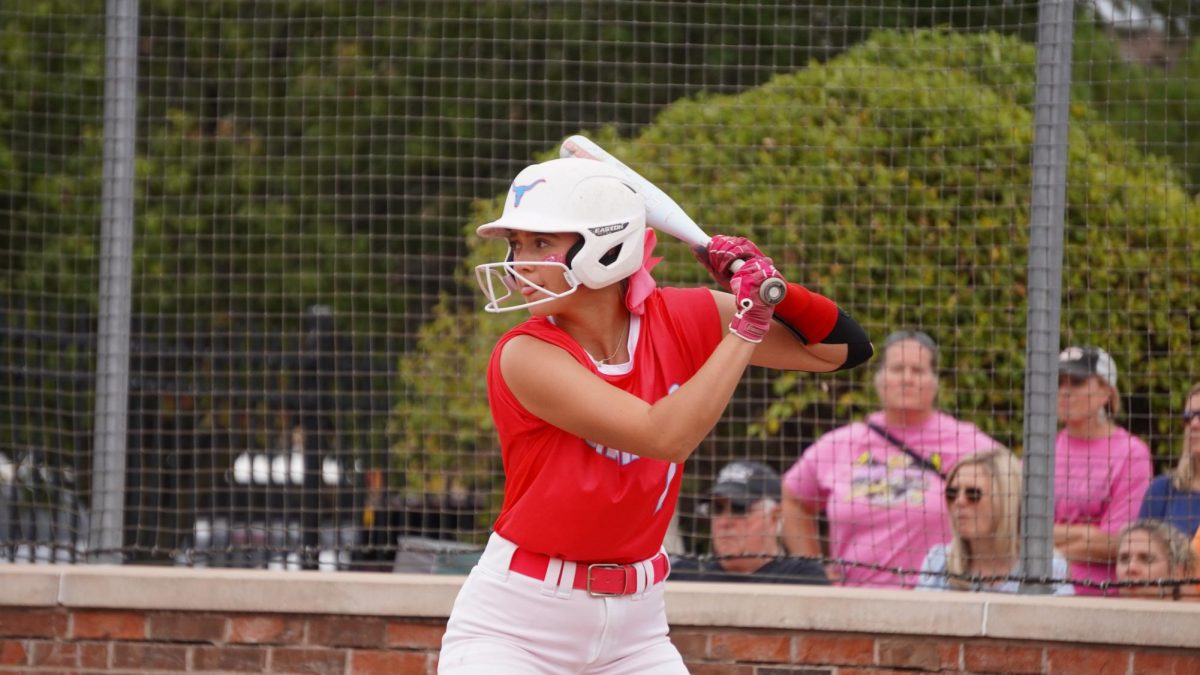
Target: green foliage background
(894,178)
(301,152)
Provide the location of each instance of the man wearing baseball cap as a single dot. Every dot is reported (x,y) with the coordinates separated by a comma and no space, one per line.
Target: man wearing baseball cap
(745,521)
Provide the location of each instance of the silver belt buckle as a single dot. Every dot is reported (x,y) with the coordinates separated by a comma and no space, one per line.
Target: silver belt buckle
(606,566)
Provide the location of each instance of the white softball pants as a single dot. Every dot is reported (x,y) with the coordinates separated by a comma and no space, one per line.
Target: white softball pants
(505,623)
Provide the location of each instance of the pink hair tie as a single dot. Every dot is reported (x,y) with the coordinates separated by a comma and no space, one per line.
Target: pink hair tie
(641,284)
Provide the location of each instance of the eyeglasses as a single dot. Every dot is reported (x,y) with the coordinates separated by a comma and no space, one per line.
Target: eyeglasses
(1189,415)
(723,507)
(973,494)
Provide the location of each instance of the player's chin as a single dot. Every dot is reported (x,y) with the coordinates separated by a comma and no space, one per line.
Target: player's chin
(546,308)
(567,299)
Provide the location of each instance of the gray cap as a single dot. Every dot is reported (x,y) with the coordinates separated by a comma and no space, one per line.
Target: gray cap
(746,482)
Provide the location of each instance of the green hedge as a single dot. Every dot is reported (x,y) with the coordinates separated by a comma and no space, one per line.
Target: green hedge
(896,179)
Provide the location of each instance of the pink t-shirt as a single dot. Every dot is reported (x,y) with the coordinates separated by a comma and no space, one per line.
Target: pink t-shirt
(1100,482)
(883,508)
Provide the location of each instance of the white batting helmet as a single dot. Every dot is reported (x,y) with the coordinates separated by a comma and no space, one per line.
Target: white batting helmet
(583,196)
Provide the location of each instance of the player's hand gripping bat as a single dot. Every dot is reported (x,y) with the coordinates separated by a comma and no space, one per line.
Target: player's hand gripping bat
(662,212)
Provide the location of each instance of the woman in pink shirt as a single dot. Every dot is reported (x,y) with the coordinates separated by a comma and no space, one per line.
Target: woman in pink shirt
(880,482)
(1101,471)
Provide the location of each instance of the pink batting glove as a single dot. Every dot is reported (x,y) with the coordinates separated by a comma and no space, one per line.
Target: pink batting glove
(752,317)
(723,251)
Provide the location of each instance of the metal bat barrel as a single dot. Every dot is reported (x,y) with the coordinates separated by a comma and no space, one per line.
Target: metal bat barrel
(773,290)
(662,212)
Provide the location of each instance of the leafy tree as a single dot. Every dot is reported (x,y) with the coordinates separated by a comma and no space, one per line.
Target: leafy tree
(52,56)
(896,179)
(1148,103)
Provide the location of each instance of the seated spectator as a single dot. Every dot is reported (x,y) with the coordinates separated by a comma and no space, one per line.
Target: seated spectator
(1196,562)
(983,494)
(1101,471)
(1175,497)
(1156,554)
(745,523)
(880,482)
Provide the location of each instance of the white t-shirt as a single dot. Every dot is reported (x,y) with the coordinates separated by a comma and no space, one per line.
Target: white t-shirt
(934,569)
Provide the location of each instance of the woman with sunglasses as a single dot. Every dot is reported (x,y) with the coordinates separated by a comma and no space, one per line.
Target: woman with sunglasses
(879,482)
(1174,498)
(983,496)
(1101,471)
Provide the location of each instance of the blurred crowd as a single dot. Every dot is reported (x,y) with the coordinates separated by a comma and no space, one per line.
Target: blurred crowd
(912,497)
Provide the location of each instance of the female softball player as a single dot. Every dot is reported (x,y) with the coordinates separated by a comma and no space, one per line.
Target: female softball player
(598,399)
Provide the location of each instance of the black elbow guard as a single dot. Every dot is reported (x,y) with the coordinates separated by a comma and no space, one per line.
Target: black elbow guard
(857,354)
(847,332)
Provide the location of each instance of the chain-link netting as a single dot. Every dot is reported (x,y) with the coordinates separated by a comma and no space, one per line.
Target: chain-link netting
(306,346)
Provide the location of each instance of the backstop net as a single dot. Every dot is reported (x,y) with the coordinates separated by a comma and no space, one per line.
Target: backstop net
(304,385)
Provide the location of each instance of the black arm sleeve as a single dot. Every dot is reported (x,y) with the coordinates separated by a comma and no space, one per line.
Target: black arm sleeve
(858,346)
(845,332)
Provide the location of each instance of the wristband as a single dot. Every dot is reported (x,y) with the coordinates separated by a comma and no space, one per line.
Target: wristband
(812,315)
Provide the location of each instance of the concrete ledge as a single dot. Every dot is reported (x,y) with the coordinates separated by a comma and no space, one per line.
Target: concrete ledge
(1017,617)
(822,608)
(28,586)
(808,608)
(1161,623)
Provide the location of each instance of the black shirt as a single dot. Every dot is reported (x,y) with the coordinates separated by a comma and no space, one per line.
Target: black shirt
(776,571)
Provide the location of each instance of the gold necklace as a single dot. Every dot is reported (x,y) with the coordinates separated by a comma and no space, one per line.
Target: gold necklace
(624,334)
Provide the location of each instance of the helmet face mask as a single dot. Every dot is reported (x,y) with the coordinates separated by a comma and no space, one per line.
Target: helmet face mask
(499,282)
(580,196)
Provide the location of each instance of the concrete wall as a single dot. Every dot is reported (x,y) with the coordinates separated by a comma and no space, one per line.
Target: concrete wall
(144,619)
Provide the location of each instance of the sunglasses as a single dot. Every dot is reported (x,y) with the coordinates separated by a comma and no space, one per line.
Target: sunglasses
(973,494)
(1189,415)
(724,507)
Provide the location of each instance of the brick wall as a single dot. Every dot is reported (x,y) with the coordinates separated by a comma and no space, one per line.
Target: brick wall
(57,640)
(99,641)
(145,620)
(725,652)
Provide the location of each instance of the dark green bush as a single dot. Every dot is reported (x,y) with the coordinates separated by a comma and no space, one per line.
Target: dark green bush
(896,179)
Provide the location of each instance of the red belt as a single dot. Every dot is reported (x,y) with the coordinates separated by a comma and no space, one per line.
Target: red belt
(599,579)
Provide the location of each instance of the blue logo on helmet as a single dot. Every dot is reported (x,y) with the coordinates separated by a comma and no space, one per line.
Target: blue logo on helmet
(520,190)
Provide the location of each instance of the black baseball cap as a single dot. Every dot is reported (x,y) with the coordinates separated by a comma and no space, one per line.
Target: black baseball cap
(746,483)
(1088,362)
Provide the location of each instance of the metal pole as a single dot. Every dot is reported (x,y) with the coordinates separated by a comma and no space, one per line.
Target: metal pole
(1046,212)
(116,273)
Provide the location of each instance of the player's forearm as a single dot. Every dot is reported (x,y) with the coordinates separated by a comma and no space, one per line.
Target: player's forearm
(800,532)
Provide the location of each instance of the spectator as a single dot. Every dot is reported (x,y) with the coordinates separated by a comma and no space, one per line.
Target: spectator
(983,494)
(746,525)
(1175,497)
(1196,561)
(1101,470)
(880,482)
(1157,555)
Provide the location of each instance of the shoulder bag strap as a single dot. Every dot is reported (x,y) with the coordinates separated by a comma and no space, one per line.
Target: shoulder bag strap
(903,447)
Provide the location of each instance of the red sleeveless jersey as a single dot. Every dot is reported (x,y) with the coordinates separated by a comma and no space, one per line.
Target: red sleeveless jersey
(570,498)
